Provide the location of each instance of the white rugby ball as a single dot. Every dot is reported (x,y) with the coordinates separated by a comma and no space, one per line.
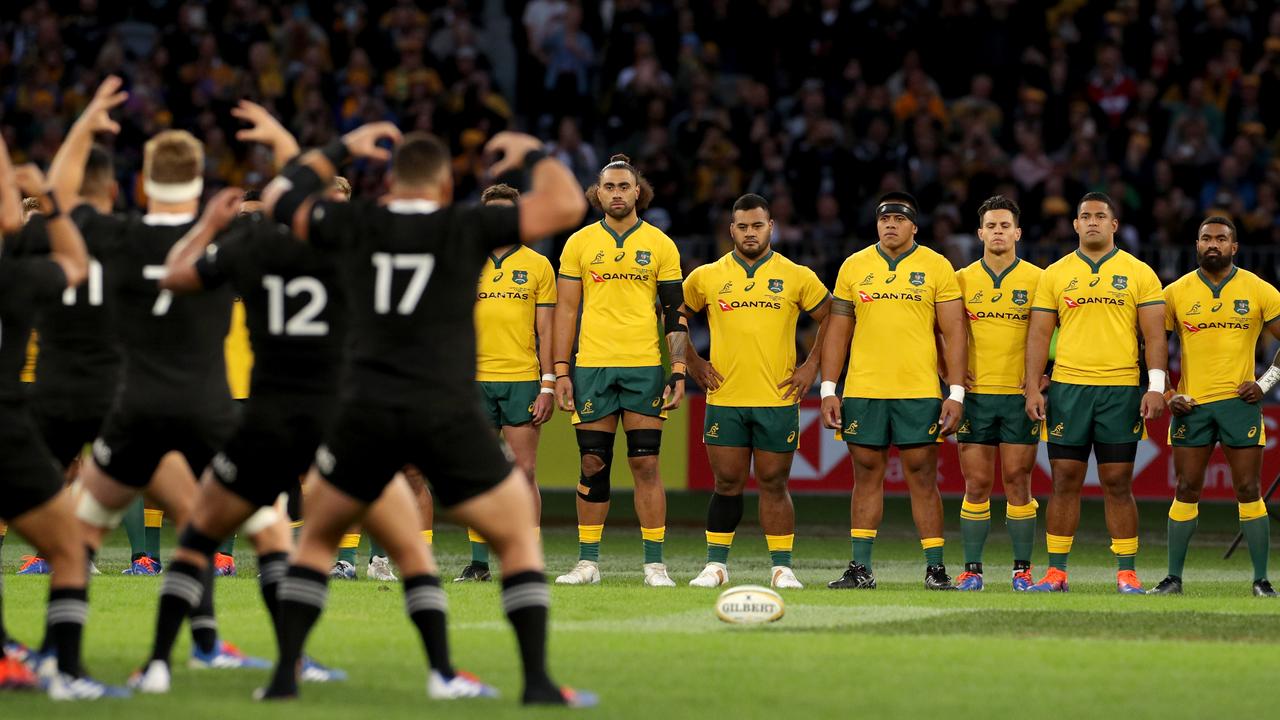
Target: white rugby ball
(749,605)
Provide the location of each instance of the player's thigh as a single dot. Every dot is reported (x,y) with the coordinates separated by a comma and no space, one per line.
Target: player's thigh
(29,476)
(1189,465)
(129,448)
(1246,467)
(772,470)
(914,421)
(977,464)
(1069,415)
(364,451)
(981,424)
(1239,424)
(459,454)
(920,465)
(523,442)
(640,390)
(173,487)
(774,429)
(730,466)
(866,422)
(595,394)
(1117,416)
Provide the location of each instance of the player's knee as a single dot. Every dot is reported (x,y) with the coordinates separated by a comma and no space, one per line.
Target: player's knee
(730,486)
(197,542)
(596,448)
(644,443)
(260,520)
(94,513)
(772,484)
(1247,491)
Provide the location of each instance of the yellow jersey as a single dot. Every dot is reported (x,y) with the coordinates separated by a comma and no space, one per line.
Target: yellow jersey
(752,311)
(893,354)
(999,310)
(239,354)
(1218,328)
(510,289)
(620,276)
(1097,308)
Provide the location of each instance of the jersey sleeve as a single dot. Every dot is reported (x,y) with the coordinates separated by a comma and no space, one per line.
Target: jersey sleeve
(693,295)
(44,278)
(948,288)
(1269,300)
(222,259)
(669,264)
(493,225)
(1046,299)
(546,290)
(844,283)
(1149,290)
(570,262)
(812,292)
(1170,320)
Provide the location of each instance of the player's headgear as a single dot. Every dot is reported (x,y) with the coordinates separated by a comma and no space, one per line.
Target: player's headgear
(899,203)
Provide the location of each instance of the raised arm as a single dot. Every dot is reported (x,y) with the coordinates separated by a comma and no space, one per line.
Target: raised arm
(1151,323)
(835,350)
(555,201)
(180,265)
(265,129)
(569,297)
(66,172)
(66,246)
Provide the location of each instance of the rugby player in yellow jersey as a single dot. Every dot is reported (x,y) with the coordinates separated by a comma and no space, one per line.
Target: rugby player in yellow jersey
(753,297)
(515,304)
(1101,299)
(997,295)
(1218,312)
(887,300)
(615,270)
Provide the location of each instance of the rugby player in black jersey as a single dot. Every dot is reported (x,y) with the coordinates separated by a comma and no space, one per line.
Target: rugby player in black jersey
(410,263)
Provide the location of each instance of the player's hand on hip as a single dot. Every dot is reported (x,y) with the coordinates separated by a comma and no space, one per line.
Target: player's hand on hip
(949,419)
(673,394)
(1153,405)
(1181,405)
(509,148)
(1249,391)
(831,412)
(543,408)
(705,374)
(363,141)
(1044,383)
(799,382)
(564,394)
(1035,404)
(969,380)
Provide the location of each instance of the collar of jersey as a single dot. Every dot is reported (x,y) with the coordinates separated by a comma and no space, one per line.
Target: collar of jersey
(168,218)
(1097,266)
(997,279)
(413,206)
(497,261)
(1217,288)
(751,269)
(620,239)
(893,264)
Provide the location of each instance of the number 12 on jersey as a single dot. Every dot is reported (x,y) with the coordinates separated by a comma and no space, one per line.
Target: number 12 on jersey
(385,265)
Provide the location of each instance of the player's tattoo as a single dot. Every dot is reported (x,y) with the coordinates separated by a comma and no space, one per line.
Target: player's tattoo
(841,307)
(678,344)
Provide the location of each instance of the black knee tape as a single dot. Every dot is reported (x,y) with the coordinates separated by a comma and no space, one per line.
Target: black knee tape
(1079,453)
(1115,452)
(193,539)
(594,488)
(641,443)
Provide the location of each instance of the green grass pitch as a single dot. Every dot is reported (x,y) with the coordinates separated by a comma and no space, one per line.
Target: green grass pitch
(897,651)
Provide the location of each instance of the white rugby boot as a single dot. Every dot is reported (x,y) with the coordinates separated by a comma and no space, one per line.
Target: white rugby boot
(713,575)
(586,572)
(783,578)
(655,575)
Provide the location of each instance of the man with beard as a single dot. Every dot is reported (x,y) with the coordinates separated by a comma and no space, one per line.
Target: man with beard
(753,297)
(615,269)
(1218,312)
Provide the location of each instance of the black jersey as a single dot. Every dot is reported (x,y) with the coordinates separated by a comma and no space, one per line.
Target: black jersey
(26,284)
(173,346)
(411,281)
(295,308)
(79,363)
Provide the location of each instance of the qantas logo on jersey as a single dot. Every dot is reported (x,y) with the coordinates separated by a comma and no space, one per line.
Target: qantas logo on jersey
(972,315)
(602,277)
(724,306)
(502,295)
(981,315)
(869,297)
(1190,327)
(767,304)
(1077,302)
(864,296)
(1218,325)
(519,277)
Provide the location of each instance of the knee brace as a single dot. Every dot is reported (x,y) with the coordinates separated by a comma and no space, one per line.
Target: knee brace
(594,488)
(96,514)
(196,541)
(641,443)
(264,518)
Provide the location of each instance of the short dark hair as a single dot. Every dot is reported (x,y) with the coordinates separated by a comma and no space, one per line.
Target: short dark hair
(999,202)
(752,201)
(1218,220)
(1097,197)
(899,196)
(420,159)
(99,171)
(501,191)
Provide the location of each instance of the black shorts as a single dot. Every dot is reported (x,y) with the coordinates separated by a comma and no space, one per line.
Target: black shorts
(66,434)
(273,447)
(457,451)
(131,444)
(29,476)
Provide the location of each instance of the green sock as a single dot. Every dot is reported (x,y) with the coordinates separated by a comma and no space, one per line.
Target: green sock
(153,542)
(375,549)
(933,556)
(347,555)
(135,527)
(717,554)
(1022,533)
(590,551)
(1258,533)
(480,553)
(228,547)
(974,534)
(652,551)
(780,558)
(1058,560)
(1126,562)
(1180,532)
(862,550)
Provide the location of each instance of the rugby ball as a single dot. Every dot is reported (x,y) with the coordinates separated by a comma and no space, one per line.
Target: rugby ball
(749,605)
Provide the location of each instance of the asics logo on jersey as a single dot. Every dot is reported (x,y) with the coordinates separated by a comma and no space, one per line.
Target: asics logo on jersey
(1253,431)
(1242,307)
(619,256)
(1094,282)
(714,430)
(933,428)
(996,297)
(728,287)
(791,436)
(599,258)
(751,285)
(891,278)
(1216,307)
(497,277)
(656,402)
(1137,428)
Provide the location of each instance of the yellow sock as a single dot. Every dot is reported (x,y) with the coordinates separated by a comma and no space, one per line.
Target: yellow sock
(930,543)
(474,536)
(350,540)
(975,511)
(152,518)
(1124,546)
(1021,512)
(295,524)
(428,536)
(1182,512)
(720,538)
(860,533)
(590,533)
(1059,544)
(780,543)
(657,534)
(1252,510)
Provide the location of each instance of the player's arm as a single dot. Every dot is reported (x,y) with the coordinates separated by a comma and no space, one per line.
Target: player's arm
(66,172)
(955,337)
(265,129)
(676,327)
(803,376)
(1039,332)
(180,265)
(10,196)
(698,367)
(1252,391)
(1151,324)
(543,324)
(290,196)
(564,328)
(834,351)
(66,245)
(554,201)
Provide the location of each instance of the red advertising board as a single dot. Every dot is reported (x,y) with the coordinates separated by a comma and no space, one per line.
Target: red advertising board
(822,463)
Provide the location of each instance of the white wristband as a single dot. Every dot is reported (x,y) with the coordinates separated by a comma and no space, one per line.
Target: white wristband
(1269,379)
(546,391)
(549,377)
(827,389)
(957,393)
(1155,380)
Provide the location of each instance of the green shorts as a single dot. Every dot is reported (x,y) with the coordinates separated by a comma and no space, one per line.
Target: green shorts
(772,429)
(508,404)
(997,419)
(601,392)
(1233,422)
(880,423)
(1085,414)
